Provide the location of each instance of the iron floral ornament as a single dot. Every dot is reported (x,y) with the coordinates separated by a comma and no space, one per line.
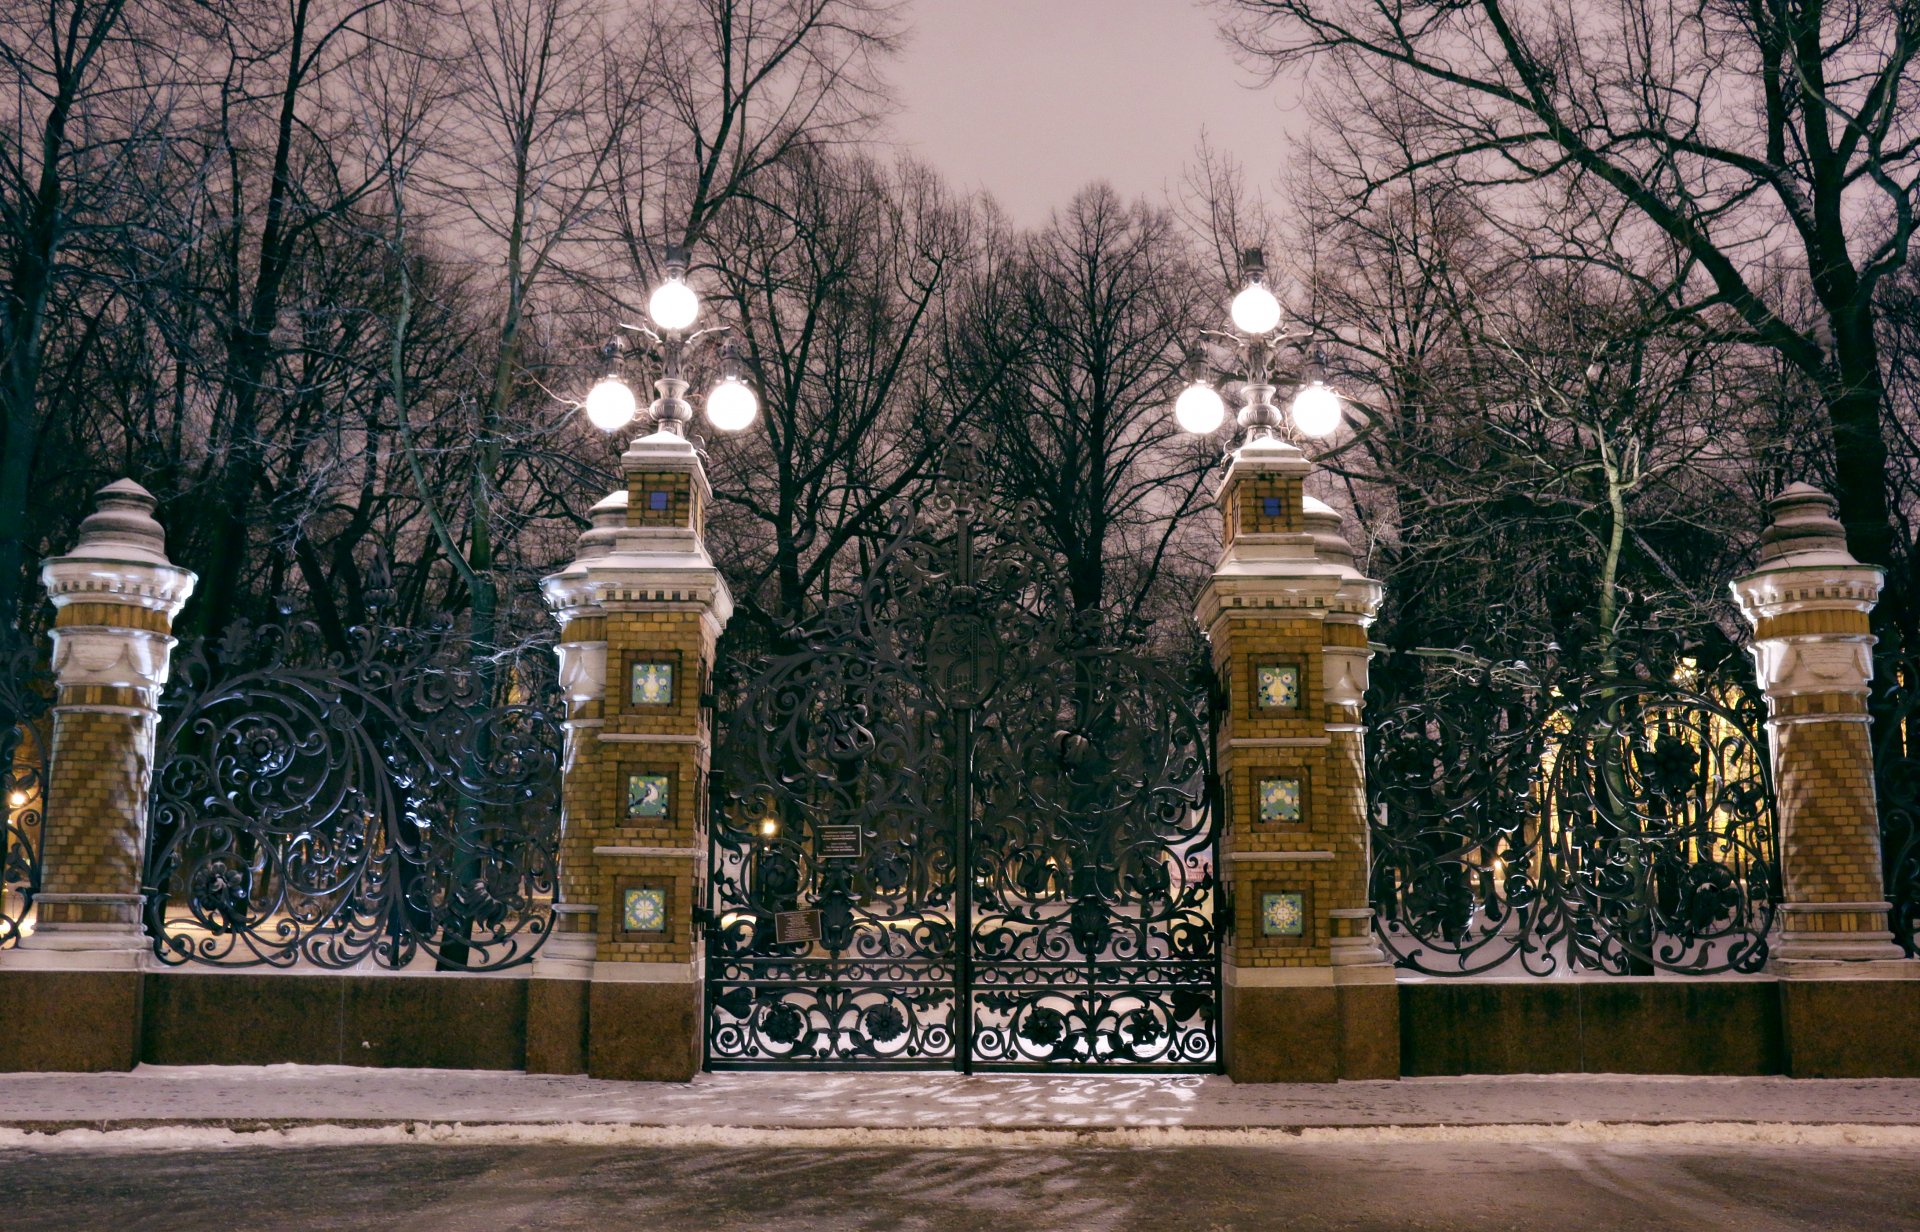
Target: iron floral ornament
(322,807)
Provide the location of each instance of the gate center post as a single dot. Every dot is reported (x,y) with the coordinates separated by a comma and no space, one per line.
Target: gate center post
(1307,993)
(617,990)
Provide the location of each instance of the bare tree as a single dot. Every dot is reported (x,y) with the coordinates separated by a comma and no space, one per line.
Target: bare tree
(853,284)
(1106,298)
(1751,136)
(86,91)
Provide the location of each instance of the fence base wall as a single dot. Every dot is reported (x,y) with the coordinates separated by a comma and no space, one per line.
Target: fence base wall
(83,1021)
(644,1032)
(557,1026)
(69,1021)
(1852,1028)
(1314,1033)
(441,1022)
(1723,1026)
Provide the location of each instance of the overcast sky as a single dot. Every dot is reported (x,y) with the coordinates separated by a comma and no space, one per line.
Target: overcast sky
(1030,99)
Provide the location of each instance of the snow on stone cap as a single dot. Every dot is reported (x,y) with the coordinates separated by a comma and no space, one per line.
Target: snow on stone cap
(1804,525)
(122,527)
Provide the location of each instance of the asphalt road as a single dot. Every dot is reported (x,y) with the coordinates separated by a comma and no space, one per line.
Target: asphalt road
(1299,1188)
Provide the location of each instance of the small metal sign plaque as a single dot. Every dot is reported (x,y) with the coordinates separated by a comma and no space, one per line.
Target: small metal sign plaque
(839,842)
(792,926)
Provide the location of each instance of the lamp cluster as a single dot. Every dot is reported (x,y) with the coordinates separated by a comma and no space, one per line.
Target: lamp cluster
(1255,312)
(673,307)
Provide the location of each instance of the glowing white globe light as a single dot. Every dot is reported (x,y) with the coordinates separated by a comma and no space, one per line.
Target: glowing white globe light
(732,404)
(1199,409)
(1255,311)
(673,305)
(610,404)
(1317,410)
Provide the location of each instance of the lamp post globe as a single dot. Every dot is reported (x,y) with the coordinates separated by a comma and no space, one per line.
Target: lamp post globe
(1199,409)
(1255,311)
(732,404)
(1317,410)
(610,404)
(673,305)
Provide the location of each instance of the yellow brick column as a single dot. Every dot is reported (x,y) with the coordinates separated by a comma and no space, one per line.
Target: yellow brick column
(1809,603)
(115,596)
(1309,995)
(78,979)
(641,608)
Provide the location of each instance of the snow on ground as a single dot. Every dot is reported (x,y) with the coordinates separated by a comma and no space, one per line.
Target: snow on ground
(171,1106)
(206,1137)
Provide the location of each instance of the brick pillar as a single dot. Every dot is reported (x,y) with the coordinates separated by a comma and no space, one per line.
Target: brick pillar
(641,607)
(115,596)
(1309,995)
(1809,603)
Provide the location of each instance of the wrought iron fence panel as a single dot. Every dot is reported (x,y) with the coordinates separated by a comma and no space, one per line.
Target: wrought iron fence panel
(26,698)
(1622,824)
(995,816)
(396,800)
(1896,764)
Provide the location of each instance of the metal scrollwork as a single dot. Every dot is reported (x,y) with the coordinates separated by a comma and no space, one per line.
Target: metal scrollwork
(1622,823)
(395,802)
(26,698)
(1033,881)
(1896,764)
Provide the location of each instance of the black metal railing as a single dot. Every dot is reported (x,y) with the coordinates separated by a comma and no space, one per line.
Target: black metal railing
(26,697)
(391,803)
(1896,763)
(1533,822)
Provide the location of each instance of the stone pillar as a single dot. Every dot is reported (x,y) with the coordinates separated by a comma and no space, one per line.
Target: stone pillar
(617,989)
(1309,995)
(115,596)
(1809,603)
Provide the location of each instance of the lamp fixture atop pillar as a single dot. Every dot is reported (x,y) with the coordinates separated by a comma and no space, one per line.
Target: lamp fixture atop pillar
(1256,337)
(673,307)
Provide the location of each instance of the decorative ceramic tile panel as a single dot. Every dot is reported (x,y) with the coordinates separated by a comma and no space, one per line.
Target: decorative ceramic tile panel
(643,911)
(1276,686)
(1283,914)
(647,795)
(652,684)
(1279,799)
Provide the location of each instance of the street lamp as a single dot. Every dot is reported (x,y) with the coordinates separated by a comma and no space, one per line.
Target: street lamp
(674,306)
(1316,409)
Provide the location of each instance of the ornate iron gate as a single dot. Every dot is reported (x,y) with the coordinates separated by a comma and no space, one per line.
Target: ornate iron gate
(953,825)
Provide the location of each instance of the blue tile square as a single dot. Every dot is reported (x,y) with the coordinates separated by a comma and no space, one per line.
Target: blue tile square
(1283,914)
(647,795)
(643,910)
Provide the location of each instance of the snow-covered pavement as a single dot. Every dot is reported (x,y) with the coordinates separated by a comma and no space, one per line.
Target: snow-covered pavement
(932,1109)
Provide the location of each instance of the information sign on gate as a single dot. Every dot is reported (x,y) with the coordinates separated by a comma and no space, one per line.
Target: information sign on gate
(792,926)
(839,842)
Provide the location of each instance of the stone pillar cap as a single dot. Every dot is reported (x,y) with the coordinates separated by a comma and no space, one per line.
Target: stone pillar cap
(1323,522)
(122,527)
(607,519)
(1267,454)
(1804,531)
(666,451)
